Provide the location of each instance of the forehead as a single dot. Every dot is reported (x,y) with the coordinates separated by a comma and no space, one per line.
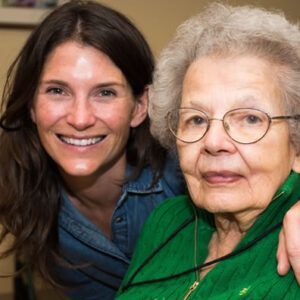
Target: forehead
(237,80)
(74,50)
(74,59)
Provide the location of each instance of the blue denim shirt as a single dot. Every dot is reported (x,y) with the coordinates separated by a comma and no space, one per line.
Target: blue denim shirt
(103,262)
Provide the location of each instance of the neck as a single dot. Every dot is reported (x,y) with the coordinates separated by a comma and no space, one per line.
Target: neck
(230,229)
(96,196)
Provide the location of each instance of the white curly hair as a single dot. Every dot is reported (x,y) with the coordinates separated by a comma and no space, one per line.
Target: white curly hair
(226,30)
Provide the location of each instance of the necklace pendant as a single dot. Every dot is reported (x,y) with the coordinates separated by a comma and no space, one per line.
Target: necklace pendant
(191,289)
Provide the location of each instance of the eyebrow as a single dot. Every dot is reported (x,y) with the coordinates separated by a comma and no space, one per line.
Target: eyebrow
(54,81)
(253,100)
(100,85)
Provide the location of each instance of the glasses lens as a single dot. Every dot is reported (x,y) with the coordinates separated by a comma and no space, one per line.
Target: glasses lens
(246,125)
(188,125)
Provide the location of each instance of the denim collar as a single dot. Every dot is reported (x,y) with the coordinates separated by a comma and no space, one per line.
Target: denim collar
(80,227)
(142,184)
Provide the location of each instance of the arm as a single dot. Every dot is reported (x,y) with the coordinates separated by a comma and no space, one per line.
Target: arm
(288,252)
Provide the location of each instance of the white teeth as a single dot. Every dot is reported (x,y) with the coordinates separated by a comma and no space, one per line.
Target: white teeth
(81,142)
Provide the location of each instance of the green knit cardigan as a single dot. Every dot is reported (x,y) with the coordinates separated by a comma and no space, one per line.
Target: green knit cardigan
(251,274)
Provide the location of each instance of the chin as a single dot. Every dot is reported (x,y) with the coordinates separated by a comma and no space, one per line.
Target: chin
(219,204)
(79,169)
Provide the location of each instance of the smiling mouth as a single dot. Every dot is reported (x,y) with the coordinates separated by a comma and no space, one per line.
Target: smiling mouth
(83,142)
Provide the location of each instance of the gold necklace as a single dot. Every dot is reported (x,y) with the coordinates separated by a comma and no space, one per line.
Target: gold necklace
(194,286)
(197,272)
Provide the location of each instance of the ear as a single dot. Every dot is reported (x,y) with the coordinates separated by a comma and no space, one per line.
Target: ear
(296,163)
(141,109)
(32,115)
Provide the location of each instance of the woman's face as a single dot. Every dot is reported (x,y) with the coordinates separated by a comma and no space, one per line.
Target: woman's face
(223,175)
(84,109)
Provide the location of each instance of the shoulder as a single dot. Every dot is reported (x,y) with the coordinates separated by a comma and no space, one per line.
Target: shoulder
(162,223)
(179,205)
(169,184)
(166,218)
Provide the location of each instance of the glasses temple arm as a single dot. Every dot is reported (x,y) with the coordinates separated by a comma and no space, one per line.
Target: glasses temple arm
(295,117)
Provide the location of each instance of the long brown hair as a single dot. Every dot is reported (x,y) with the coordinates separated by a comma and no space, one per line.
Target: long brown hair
(29,180)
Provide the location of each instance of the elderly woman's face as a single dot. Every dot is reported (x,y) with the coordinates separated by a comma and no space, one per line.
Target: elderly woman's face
(223,175)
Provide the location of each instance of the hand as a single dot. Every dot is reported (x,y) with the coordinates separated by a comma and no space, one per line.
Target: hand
(288,252)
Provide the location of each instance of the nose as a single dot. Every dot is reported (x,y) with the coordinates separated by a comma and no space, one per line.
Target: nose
(216,140)
(81,115)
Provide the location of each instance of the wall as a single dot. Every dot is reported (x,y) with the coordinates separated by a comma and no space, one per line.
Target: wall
(157,19)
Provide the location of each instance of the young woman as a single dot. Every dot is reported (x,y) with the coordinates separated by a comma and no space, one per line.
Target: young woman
(79,170)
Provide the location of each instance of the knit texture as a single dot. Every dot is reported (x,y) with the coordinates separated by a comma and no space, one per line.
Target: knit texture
(251,274)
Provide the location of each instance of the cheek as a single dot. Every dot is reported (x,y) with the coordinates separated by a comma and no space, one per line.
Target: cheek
(272,155)
(268,164)
(117,117)
(189,156)
(117,123)
(45,114)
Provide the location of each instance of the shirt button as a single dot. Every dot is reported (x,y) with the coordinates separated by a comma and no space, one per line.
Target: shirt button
(118,219)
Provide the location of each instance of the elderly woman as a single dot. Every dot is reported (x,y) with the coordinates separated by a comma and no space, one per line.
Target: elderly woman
(227,92)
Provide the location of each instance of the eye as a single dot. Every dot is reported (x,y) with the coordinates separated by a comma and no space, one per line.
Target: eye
(195,120)
(198,120)
(107,93)
(246,118)
(55,91)
(252,119)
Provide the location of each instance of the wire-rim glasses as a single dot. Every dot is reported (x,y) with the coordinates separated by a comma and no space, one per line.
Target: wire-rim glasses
(243,125)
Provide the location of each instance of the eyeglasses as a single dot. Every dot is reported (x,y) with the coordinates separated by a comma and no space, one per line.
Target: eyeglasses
(243,125)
